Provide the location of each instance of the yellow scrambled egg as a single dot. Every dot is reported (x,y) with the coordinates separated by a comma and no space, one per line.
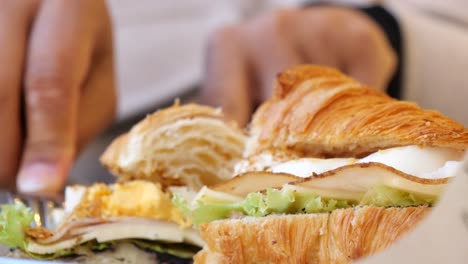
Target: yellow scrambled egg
(134,198)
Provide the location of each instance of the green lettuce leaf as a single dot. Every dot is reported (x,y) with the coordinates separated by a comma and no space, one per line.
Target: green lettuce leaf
(279,201)
(385,196)
(97,246)
(14,220)
(205,212)
(180,250)
(254,205)
(258,204)
(58,254)
(290,201)
(92,245)
(310,203)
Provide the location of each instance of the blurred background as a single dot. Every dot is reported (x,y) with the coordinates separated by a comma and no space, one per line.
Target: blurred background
(160,51)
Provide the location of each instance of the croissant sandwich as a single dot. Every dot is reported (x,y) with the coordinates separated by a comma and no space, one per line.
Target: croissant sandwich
(178,149)
(332,171)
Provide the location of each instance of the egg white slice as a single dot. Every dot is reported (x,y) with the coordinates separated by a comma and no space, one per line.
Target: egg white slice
(430,163)
(308,166)
(415,160)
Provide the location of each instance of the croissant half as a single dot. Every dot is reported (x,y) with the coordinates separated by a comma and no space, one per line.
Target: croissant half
(339,237)
(318,111)
(181,145)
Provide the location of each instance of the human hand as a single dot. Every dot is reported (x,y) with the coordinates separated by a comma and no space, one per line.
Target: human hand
(242,60)
(57,56)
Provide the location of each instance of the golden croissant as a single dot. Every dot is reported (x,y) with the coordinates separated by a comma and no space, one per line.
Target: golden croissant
(371,166)
(318,111)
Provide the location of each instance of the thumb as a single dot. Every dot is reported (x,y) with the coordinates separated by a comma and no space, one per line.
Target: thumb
(367,54)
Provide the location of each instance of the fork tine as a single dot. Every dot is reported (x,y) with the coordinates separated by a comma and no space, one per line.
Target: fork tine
(37,208)
(35,205)
(42,207)
(48,207)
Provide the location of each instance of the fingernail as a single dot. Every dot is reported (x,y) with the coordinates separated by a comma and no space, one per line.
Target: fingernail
(38,178)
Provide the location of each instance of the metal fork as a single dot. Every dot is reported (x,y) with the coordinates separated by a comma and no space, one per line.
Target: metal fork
(46,209)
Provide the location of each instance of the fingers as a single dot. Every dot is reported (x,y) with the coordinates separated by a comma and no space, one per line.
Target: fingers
(367,54)
(376,66)
(316,32)
(242,63)
(14,21)
(98,101)
(345,39)
(226,81)
(98,98)
(57,64)
(331,36)
(270,48)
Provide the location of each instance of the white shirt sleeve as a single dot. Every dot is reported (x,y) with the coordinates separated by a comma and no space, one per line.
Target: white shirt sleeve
(435,65)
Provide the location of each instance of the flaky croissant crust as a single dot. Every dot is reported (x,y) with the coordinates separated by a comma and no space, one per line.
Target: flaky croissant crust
(339,237)
(160,118)
(189,145)
(318,111)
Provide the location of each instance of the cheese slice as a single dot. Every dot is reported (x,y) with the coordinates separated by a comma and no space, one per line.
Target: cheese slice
(347,182)
(359,178)
(254,181)
(119,229)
